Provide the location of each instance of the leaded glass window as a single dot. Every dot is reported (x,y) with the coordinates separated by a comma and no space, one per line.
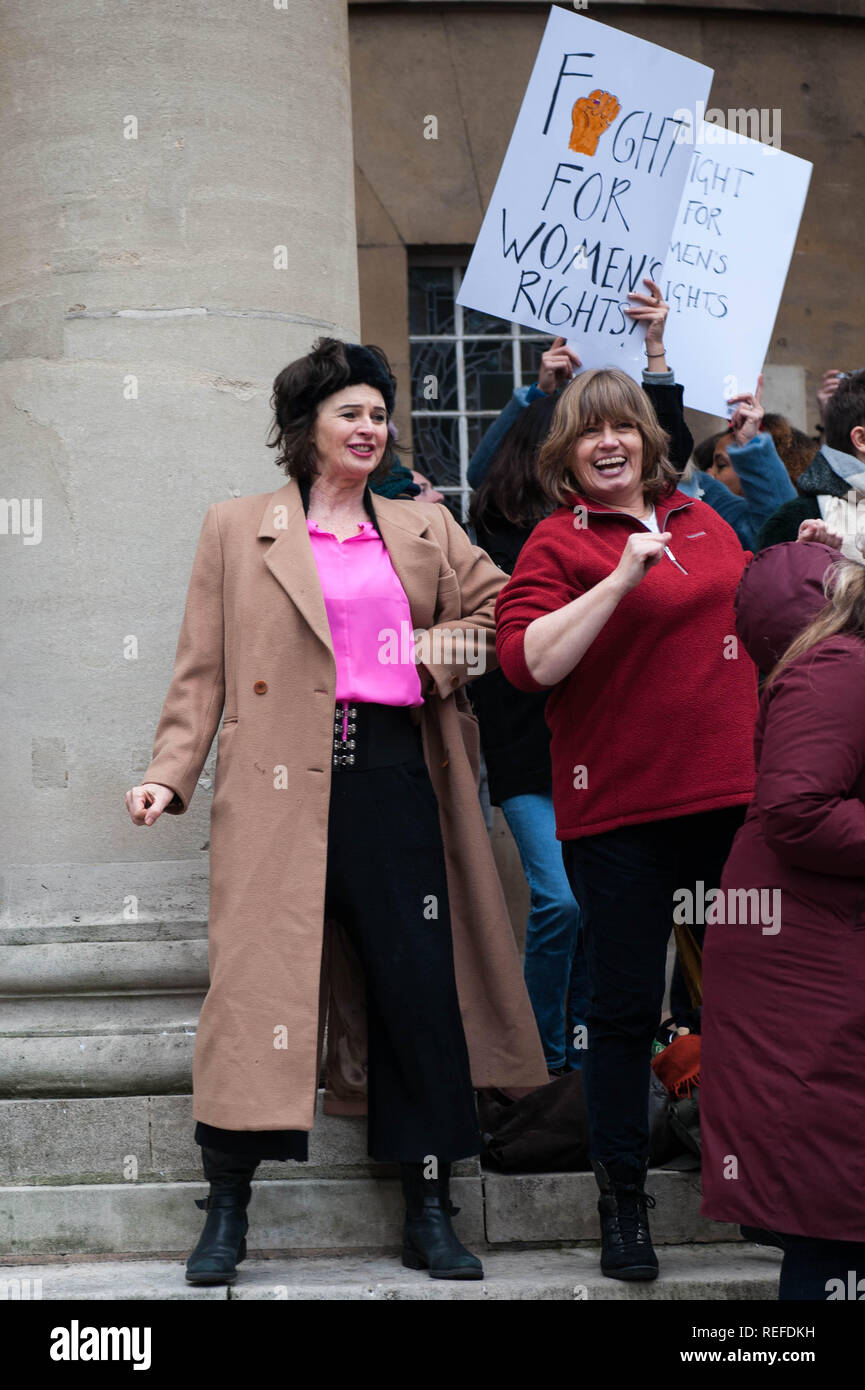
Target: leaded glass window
(464,367)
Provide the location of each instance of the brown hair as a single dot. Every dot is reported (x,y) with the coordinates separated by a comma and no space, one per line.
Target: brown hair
(511,488)
(795,449)
(844,587)
(299,390)
(603,393)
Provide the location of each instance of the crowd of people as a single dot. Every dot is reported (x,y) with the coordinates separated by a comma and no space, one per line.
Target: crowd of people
(671,715)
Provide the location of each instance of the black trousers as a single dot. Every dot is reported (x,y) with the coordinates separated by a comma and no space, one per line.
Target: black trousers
(819,1270)
(624,881)
(386,884)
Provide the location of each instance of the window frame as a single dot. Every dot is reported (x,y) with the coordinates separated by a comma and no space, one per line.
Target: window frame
(457,263)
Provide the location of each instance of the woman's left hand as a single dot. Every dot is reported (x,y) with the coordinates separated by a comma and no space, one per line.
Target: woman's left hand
(817,531)
(652,310)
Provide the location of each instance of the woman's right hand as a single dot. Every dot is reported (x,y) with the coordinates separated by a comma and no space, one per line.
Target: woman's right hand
(642,551)
(556,643)
(146,803)
(747,419)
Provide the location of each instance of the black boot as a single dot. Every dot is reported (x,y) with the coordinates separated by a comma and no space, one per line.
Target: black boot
(223,1241)
(428,1238)
(626,1246)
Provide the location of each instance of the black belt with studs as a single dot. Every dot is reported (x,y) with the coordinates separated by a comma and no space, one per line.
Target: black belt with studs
(372,735)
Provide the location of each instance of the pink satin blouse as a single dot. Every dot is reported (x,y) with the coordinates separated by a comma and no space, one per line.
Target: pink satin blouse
(369,617)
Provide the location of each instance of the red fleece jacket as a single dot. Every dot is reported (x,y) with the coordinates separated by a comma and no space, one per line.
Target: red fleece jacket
(657,719)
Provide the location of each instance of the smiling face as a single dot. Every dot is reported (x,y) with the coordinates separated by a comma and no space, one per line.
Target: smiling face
(350,433)
(607,463)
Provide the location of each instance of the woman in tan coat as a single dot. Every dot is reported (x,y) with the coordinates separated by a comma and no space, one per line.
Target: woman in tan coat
(336,630)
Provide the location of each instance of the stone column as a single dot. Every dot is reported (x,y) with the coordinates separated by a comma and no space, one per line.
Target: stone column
(178,224)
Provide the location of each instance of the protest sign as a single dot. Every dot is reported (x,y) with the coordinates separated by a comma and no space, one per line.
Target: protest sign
(587,196)
(728,261)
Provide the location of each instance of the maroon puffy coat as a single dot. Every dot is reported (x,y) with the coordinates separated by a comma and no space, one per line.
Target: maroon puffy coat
(782,1097)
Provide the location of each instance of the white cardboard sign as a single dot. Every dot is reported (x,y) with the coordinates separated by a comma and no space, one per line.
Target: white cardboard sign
(728,261)
(589,189)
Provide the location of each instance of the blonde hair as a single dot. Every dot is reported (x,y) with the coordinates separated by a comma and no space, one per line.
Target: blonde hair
(603,393)
(844,587)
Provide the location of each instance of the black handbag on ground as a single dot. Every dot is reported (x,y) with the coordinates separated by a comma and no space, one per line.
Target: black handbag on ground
(547,1131)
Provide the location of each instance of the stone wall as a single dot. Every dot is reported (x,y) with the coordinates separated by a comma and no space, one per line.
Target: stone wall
(469,63)
(178,218)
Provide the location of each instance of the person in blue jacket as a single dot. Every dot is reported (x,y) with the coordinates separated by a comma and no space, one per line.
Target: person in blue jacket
(763,478)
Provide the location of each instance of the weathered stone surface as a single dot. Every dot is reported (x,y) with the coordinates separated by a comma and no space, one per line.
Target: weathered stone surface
(86,1064)
(536,1208)
(153,900)
(801,58)
(701,1273)
(320,1214)
(347,1209)
(84,966)
(102,1138)
(181,229)
(84,1140)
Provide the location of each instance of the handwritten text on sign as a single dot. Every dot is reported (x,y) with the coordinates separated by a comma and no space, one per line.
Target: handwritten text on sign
(588,192)
(729,255)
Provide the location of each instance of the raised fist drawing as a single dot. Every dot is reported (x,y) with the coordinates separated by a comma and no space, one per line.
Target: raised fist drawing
(589,119)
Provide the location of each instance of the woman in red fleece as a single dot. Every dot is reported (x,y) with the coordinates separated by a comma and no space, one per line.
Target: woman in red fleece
(621,603)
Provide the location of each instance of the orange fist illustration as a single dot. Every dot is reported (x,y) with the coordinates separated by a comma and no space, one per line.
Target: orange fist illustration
(589,119)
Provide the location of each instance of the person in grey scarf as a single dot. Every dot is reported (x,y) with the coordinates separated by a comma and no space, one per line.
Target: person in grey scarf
(832,488)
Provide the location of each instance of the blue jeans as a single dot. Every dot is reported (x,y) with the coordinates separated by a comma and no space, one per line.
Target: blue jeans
(555,967)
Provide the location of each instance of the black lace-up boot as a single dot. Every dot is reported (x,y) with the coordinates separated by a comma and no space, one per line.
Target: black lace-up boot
(429,1241)
(626,1246)
(223,1241)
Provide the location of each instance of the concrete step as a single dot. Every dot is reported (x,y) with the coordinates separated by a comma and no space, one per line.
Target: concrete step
(135,900)
(708,1272)
(149,1138)
(85,967)
(106,1139)
(119,1174)
(58,1156)
(334,1214)
(150,1218)
(98,1056)
(99,1017)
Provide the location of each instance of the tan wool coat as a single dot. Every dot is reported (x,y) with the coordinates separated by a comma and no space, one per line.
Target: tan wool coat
(255,648)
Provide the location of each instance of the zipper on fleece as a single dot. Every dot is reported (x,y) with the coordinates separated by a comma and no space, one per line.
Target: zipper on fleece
(667,551)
